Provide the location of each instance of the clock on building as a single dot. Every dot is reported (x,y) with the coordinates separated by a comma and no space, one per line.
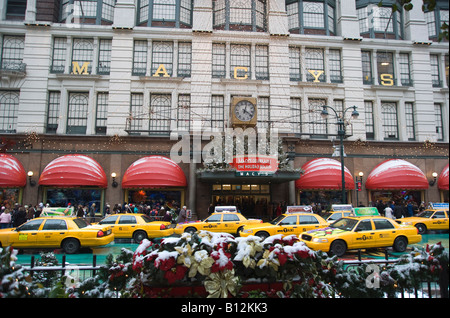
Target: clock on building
(243,111)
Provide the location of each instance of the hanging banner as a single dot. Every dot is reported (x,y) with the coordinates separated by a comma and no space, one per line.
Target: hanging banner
(57,211)
(259,163)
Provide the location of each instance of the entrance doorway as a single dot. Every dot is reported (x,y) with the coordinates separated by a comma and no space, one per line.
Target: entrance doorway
(252,200)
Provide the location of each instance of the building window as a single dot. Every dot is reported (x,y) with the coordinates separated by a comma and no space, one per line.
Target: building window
(405,71)
(140,58)
(240,15)
(241,60)
(101,113)
(370,131)
(318,125)
(15,9)
(217,112)
(439,122)
(311,17)
(385,68)
(390,122)
(314,65)
(59,55)
(54,99)
(137,114)
(165,13)
(296,115)
(218,60)
(436,18)
(12,53)
(184,112)
(435,71)
(82,55)
(162,54)
(366,57)
(104,56)
(263,113)
(9,106)
(262,62)
(334,61)
(77,113)
(87,11)
(160,114)
(184,59)
(378,21)
(295,64)
(410,122)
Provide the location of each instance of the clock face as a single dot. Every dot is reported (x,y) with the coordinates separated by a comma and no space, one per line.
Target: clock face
(244,110)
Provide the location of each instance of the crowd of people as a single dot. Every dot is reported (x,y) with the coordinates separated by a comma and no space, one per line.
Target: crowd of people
(16,216)
(19,214)
(398,210)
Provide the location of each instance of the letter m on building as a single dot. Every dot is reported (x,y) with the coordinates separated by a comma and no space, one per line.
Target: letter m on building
(76,69)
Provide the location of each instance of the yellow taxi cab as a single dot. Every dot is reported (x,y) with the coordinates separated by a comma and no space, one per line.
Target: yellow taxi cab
(136,226)
(432,219)
(360,233)
(68,233)
(228,222)
(286,224)
(338,211)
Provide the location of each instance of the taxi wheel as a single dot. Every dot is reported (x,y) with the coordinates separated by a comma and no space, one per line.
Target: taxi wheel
(238,233)
(421,228)
(139,236)
(263,235)
(71,245)
(400,244)
(190,230)
(338,248)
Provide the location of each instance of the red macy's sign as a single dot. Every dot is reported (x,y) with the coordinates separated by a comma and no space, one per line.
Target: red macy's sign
(255,163)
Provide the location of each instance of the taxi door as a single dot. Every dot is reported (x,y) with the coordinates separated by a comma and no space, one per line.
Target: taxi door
(26,234)
(52,233)
(307,223)
(126,226)
(385,233)
(288,225)
(363,235)
(230,223)
(439,221)
(213,223)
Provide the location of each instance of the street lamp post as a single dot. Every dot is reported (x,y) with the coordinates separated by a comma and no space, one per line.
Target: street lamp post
(341,134)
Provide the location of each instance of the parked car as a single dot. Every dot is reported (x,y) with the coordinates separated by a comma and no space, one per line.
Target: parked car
(68,233)
(361,232)
(136,226)
(286,224)
(436,219)
(228,222)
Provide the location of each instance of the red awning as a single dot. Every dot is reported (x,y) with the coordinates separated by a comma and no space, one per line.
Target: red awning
(324,173)
(396,174)
(12,173)
(443,179)
(73,171)
(153,171)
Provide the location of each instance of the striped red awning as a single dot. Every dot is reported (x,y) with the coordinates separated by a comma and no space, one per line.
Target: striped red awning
(12,173)
(396,174)
(443,179)
(324,173)
(152,172)
(73,171)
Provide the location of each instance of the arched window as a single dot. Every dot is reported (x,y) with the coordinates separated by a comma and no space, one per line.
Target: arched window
(87,11)
(165,13)
(311,16)
(379,22)
(240,15)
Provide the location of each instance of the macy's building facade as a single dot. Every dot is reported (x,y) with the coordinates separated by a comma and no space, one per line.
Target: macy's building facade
(95,94)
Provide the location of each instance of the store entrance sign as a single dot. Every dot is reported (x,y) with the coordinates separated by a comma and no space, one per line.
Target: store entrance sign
(255,163)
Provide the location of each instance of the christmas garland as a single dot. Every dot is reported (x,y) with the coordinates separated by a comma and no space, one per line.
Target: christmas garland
(219,265)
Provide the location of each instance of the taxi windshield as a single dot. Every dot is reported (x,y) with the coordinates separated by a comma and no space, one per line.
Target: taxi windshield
(277,219)
(425,214)
(344,224)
